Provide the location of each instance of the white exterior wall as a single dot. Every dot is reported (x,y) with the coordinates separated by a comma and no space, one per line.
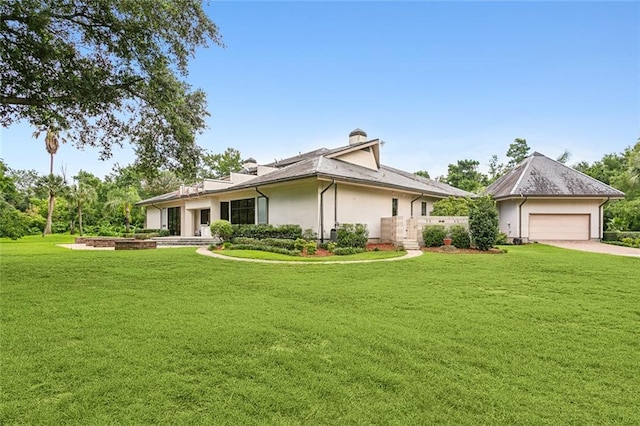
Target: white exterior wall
(508,213)
(357,204)
(295,203)
(508,217)
(153,218)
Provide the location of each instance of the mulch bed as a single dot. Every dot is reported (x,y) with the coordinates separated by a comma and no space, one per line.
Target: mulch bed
(370,247)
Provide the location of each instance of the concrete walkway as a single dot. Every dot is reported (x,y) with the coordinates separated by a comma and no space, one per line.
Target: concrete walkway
(206,252)
(595,247)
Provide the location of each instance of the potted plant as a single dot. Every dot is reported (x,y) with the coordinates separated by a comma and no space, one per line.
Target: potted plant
(447,239)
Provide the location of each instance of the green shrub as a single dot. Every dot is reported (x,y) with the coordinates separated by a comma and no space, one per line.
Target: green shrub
(483,222)
(328,246)
(352,235)
(221,229)
(309,235)
(433,235)
(279,242)
(259,247)
(343,251)
(460,236)
(311,247)
(299,244)
(290,232)
(619,235)
(164,233)
(245,240)
(502,239)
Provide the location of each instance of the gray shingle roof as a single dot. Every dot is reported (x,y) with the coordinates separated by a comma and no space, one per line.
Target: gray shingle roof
(316,164)
(336,169)
(538,175)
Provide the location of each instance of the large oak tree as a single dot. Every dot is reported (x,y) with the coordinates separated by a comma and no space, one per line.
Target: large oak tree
(107,72)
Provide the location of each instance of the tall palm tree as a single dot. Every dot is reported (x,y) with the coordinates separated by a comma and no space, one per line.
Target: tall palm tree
(123,198)
(52,143)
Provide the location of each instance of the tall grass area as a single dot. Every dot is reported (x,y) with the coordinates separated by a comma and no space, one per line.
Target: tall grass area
(539,335)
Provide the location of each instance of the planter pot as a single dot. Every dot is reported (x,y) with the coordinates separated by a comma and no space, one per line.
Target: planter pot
(447,241)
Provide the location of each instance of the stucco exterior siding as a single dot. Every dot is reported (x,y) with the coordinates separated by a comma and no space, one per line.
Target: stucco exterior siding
(153,218)
(295,203)
(368,206)
(508,218)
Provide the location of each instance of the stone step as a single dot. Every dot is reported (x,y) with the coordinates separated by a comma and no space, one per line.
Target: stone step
(410,245)
(183,241)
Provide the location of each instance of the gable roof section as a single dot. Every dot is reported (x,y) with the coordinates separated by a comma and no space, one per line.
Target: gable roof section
(541,176)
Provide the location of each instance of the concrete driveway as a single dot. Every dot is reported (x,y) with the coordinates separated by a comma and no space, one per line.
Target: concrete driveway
(595,247)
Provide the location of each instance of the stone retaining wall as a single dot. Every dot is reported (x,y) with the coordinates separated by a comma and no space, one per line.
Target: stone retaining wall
(134,244)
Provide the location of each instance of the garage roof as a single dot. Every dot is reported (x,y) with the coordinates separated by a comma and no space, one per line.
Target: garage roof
(541,176)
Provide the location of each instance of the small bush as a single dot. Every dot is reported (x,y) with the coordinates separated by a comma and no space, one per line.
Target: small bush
(309,235)
(299,244)
(460,236)
(352,235)
(343,251)
(433,235)
(502,239)
(164,233)
(221,229)
(311,248)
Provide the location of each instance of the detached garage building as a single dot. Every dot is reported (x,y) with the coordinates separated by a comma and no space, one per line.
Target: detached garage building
(542,199)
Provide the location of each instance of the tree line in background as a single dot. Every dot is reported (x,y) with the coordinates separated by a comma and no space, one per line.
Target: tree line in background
(31,203)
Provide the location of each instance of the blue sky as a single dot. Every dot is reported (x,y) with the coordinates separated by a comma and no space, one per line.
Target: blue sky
(437,81)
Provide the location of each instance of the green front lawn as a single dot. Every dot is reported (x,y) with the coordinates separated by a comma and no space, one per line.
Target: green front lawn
(539,335)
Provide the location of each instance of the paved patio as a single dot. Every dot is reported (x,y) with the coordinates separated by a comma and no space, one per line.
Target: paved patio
(595,247)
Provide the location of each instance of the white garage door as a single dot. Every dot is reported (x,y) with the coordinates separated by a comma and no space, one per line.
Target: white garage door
(558,227)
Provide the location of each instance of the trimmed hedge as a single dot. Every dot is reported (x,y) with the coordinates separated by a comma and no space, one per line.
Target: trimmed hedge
(260,247)
(343,251)
(260,232)
(619,235)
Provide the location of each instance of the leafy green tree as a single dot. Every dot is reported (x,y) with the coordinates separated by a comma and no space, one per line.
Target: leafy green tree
(465,175)
(125,199)
(517,152)
(13,223)
(451,206)
(495,169)
(165,181)
(107,72)
(81,194)
(220,165)
(423,173)
(483,222)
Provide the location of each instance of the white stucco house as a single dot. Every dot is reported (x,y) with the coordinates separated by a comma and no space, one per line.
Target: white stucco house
(316,190)
(542,199)
(539,199)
